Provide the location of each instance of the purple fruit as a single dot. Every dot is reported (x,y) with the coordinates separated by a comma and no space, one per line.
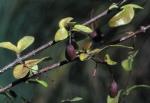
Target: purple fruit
(70,52)
(113,89)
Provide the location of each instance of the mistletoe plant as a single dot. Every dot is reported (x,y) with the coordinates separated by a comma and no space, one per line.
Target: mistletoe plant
(27,70)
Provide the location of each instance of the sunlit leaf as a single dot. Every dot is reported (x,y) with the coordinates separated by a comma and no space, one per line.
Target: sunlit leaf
(83,56)
(33,62)
(133,6)
(64,22)
(61,34)
(94,51)
(8,45)
(125,16)
(20,71)
(109,61)
(115,99)
(34,69)
(82,28)
(75,99)
(127,64)
(24,43)
(41,82)
(113,6)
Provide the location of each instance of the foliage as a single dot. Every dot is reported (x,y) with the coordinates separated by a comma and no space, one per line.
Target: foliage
(28,70)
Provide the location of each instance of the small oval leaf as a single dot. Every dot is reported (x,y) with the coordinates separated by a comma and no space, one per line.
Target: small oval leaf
(24,43)
(82,28)
(83,56)
(61,34)
(125,16)
(34,69)
(33,62)
(63,22)
(20,71)
(75,99)
(8,45)
(122,18)
(42,82)
(127,64)
(109,61)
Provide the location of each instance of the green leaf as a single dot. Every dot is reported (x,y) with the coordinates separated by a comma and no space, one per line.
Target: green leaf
(75,99)
(125,16)
(133,6)
(33,62)
(115,99)
(61,34)
(113,6)
(109,61)
(34,69)
(94,51)
(8,45)
(42,82)
(24,43)
(65,21)
(83,56)
(20,71)
(130,89)
(82,28)
(127,64)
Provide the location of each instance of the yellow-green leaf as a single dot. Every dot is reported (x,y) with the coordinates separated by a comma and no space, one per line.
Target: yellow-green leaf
(109,61)
(113,6)
(127,64)
(75,99)
(34,69)
(42,82)
(124,17)
(64,22)
(33,62)
(133,6)
(20,71)
(8,45)
(83,56)
(82,28)
(24,43)
(61,34)
(94,51)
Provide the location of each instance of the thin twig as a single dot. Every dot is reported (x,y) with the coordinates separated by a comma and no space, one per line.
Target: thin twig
(130,35)
(46,69)
(53,66)
(44,46)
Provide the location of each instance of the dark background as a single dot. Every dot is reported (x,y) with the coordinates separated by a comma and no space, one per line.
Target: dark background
(40,18)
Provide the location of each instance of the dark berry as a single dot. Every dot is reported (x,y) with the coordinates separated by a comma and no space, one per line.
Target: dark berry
(113,89)
(70,52)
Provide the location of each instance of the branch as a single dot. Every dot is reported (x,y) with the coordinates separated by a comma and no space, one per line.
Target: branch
(58,64)
(130,35)
(43,47)
(34,52)
(50,43)
(46,69)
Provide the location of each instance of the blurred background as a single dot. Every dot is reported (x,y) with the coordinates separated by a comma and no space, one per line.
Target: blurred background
(40,18)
